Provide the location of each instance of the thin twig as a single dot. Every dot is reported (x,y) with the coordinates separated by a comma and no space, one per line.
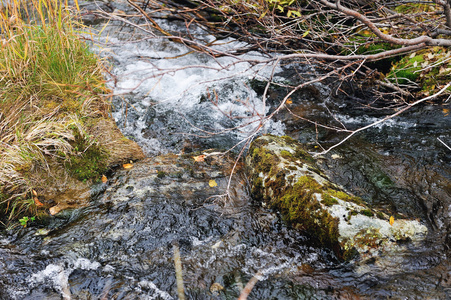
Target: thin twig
(449,148)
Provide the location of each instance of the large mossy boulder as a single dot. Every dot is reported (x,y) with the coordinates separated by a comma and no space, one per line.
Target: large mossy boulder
(286,178)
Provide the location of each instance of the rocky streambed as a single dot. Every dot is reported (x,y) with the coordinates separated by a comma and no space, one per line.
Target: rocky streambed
(368,220)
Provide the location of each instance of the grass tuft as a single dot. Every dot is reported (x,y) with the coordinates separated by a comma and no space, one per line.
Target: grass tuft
(49,84)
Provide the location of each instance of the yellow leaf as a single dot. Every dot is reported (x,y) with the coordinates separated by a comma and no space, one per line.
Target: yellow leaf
(34,193)
(104,179)
(212,183)
(445,112)
(392,220)
(199,158)
(289,101)
(127,166)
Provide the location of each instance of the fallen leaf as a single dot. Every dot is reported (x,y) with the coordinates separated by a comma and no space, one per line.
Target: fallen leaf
(289,101)
(127,166)
(212,183)
(37,202)
(412,55)
(104,179)
(392,220)
(54,210)
(430,55)
(34,193)
(445,112)
(199,158)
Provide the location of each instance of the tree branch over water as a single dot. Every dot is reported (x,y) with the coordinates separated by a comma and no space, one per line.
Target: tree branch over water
(343,42)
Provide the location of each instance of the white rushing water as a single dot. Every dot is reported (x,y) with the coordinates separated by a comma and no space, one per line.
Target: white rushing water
(200,91)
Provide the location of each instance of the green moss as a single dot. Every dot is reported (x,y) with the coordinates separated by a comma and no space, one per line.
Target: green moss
(286,154)
(380,215)
(410,8)
(265,160)
(407,69)
(367,213)
(328,200)
(161,174)
(91,161)
(288,139)
(301,210)
(343,196)
(309,183)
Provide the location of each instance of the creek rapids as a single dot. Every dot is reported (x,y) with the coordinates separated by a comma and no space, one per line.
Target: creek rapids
(121,246)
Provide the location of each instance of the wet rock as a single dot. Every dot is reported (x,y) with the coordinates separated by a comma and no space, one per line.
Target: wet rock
(286,177)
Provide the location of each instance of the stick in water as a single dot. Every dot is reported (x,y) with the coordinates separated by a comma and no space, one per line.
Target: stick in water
(178,272)
(249,286)
(444,143)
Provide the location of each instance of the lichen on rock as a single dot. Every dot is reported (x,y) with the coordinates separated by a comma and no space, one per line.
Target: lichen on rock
(286,178)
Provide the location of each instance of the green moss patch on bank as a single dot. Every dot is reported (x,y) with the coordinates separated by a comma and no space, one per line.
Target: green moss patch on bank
(428,69)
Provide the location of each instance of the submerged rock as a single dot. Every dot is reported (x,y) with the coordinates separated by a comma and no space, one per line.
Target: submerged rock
(286,178)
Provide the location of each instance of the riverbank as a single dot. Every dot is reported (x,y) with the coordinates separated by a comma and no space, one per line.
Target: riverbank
(56,132)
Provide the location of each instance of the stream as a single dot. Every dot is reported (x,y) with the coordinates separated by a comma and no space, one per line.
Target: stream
(168,99)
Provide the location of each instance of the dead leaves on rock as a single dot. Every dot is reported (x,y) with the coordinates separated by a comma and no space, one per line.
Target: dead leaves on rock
(212,183)
(199,158)
(35,199)
(104,179)
(54,210)
(392,220)
(37,202)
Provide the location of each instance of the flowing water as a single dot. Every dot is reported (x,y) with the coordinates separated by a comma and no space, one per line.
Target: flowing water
(122,245)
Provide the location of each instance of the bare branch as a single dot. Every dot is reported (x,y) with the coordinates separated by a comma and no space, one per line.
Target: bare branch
(427,40)
(408,106)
